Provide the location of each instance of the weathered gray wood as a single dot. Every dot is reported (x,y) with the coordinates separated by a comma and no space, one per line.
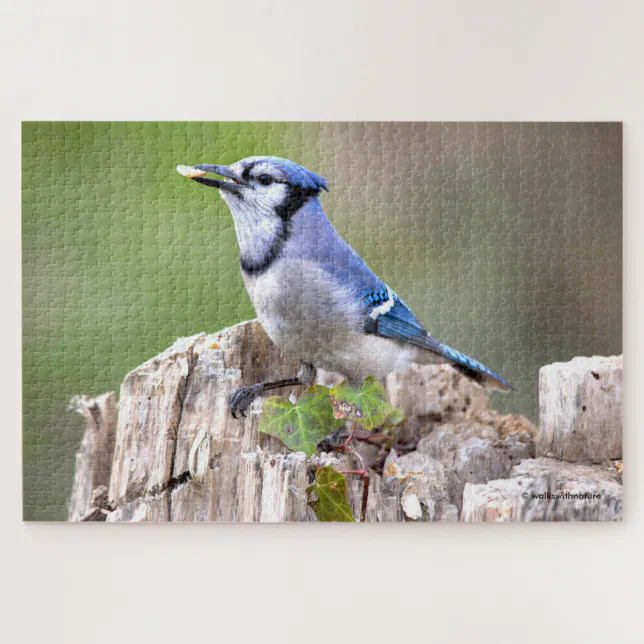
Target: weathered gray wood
(581,410)
(150,409)
(432,395)
(474,452)
(178,455)
(435,392)
(214,446)
(424,487)
(148,509)
(94,459)
(270,487)
(544,489)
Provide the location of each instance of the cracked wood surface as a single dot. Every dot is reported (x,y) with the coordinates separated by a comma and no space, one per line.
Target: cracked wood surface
(176,454)
(94,459)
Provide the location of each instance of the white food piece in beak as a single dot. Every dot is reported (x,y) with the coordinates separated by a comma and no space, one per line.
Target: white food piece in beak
(190,172)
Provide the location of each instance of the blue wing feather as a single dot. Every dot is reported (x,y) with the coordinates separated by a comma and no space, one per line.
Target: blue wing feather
(396,321)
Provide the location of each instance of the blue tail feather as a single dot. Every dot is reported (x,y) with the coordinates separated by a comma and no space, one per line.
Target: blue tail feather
(475,370)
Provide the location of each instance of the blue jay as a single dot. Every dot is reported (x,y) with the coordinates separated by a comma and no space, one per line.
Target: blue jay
(313,294)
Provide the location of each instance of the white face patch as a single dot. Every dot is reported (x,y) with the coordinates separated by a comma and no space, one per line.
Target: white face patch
(261,200)
(257,225)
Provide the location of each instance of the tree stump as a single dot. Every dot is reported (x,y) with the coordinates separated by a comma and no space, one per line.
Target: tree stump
(94,460)
(546,489)
(176,454)
(581,410)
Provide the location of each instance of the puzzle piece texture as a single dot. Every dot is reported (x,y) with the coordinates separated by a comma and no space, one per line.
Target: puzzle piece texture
(505,239)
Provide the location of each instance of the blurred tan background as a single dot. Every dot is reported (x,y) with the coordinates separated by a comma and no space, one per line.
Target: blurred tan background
(505,240)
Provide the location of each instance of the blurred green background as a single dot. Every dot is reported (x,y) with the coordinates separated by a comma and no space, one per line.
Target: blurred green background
(504,238)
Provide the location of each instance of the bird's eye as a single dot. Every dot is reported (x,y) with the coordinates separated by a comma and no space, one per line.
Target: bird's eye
(265,179)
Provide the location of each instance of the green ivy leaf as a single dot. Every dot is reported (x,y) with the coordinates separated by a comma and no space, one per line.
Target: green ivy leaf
(368,405)
(330,490)
(303,425)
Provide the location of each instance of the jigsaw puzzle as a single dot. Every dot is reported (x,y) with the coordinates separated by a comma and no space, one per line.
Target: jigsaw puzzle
(284,322)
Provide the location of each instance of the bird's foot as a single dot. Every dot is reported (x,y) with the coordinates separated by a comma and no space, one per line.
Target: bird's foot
(242,398)
(332,441)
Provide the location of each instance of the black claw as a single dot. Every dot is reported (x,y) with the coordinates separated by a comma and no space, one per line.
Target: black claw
(242,398)
(332,441)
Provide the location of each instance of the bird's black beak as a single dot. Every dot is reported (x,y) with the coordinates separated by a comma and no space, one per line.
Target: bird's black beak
(223,171)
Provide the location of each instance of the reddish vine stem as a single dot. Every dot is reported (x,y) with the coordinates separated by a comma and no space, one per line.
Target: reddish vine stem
(364,473)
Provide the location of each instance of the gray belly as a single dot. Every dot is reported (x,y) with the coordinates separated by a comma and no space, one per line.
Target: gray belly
(320,322)
(305,312)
